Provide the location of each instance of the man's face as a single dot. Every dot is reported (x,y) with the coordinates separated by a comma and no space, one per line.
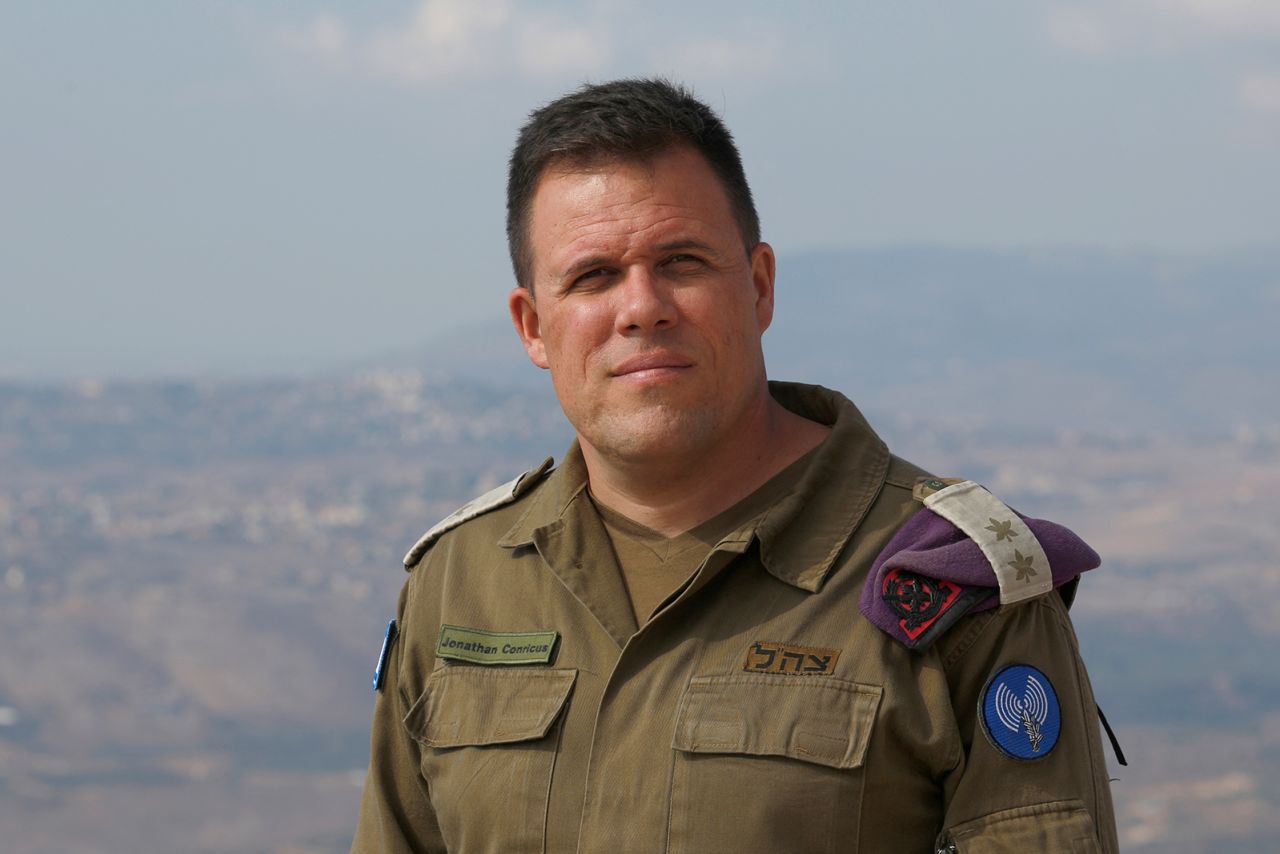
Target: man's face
(646,306)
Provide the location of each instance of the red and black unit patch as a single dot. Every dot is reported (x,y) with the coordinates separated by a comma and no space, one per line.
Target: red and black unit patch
(925,607)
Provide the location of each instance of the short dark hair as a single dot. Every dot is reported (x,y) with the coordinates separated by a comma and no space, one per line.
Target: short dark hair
(627,120)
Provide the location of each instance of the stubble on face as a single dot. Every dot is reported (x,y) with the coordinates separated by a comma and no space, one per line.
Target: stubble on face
(653,426)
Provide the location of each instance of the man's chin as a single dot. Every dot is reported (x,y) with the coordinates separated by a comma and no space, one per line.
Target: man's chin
(652,434)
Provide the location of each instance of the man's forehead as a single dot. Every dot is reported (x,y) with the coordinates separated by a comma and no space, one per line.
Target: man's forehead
(644,164)
(598,211)
(595,219)
(571,183)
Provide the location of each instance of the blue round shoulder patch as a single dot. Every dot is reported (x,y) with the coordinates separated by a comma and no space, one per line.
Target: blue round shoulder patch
(1020,712)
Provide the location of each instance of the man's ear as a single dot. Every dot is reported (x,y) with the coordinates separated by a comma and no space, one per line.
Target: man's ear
(524,314)
(763,269)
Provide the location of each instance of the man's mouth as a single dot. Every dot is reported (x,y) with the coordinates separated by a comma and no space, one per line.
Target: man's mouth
(650,364)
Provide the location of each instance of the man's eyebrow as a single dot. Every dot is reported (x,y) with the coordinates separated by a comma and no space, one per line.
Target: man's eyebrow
(584,264)
(684,243)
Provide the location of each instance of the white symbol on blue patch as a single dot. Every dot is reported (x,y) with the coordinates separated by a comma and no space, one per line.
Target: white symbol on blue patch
(1020,712)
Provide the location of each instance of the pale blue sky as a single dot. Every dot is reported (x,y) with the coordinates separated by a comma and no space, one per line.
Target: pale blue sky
(239,187)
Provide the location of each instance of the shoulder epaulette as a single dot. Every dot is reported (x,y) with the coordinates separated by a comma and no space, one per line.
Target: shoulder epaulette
(965,551)
(493,499)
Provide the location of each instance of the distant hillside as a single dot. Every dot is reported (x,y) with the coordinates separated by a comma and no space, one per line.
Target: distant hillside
(195,577)
(1024,340)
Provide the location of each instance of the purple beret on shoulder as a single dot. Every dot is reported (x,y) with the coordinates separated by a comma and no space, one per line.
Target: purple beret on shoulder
(965,552)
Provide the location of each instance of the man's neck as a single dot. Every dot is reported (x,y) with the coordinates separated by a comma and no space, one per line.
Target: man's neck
(672,495)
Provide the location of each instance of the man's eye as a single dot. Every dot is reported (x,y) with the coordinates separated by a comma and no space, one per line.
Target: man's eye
(586,277)
(683,260)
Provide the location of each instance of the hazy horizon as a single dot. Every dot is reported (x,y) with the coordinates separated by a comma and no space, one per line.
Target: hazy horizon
(261,357)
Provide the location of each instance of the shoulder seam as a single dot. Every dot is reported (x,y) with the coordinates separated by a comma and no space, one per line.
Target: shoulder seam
(979,624)
(983,620)
(902,473)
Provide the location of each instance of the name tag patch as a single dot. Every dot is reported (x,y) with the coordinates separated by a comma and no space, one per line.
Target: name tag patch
(478,646)
(768,657)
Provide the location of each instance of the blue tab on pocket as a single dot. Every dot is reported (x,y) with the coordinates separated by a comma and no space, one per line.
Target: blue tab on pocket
(380,672)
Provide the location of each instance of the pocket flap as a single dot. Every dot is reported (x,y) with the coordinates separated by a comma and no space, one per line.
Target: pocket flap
(821,720)
(463,706)
(1056,826)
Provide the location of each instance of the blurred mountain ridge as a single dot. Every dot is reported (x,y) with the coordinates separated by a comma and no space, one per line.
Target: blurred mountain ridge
(1029,339)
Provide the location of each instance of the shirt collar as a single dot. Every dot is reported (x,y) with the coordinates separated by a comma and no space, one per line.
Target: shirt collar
(800,536)
(551,500)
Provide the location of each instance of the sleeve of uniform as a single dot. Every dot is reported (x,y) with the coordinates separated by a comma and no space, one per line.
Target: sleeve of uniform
(395,812)
(1055,797)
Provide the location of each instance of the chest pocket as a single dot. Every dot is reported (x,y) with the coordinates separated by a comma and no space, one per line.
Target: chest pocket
(769,764)
(488,737)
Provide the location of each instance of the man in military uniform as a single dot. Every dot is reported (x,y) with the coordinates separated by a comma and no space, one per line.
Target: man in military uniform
(730,620)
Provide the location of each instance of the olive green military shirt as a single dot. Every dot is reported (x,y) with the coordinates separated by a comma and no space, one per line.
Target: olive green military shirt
(653,564)
(756,711)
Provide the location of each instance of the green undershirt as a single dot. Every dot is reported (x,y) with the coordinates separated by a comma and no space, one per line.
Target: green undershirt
(654,566)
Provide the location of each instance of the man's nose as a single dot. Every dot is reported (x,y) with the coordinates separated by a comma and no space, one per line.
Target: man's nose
(646,303)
